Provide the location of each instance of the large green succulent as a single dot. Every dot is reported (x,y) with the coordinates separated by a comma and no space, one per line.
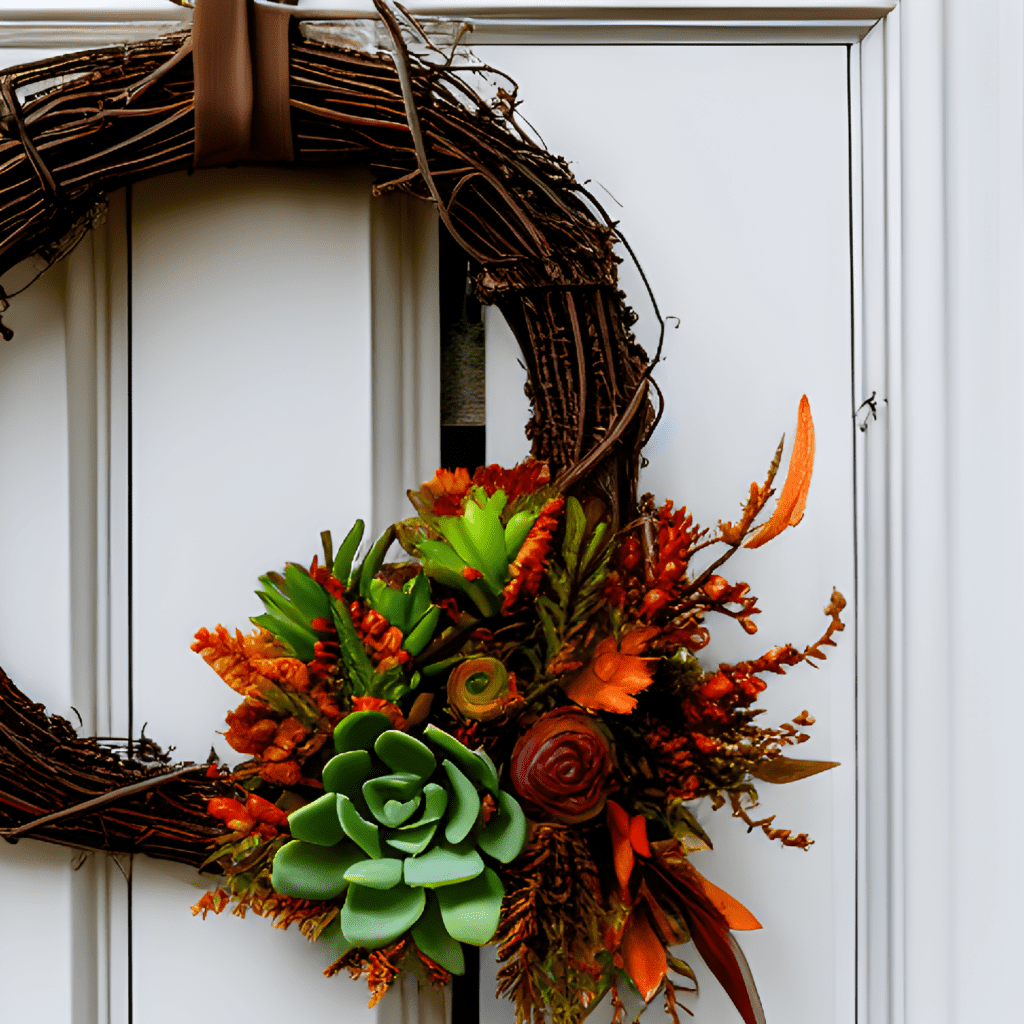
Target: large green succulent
(400,830)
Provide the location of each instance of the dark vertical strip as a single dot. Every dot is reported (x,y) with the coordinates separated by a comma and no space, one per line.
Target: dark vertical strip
(856,580)
(131,461)
(466,990)
(131,567)
(463,360)
(131,941)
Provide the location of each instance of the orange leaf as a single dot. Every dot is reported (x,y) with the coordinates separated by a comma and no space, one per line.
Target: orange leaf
(737,917)
(622,848)
(638,836)
(793,499)
(643,954)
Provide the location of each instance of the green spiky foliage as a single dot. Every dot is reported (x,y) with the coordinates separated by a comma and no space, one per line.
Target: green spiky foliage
(301,611)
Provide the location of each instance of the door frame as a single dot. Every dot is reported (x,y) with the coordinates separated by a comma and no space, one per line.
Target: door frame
(899,266)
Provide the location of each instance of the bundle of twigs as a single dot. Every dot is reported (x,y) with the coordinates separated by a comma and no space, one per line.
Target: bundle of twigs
(75,127)
(59,787)
(91,122)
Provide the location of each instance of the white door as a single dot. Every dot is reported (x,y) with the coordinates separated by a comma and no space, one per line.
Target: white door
(728,170)
(252,427)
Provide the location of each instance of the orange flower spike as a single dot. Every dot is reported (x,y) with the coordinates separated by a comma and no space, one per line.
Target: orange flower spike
(613,676)
(226,655)
(793,499)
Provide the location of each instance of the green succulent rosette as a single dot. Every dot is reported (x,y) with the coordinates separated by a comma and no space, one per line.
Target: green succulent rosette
(401,832)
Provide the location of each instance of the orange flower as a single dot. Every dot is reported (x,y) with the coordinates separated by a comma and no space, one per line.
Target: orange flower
(443,495)
(793,499)
(613,676)
(641,951)
(251,728)
(527,569)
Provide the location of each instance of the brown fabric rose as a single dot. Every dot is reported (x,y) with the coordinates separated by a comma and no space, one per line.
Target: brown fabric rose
(562,765)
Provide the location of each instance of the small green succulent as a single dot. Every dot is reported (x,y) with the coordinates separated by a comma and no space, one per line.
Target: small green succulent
(400,831)
(477,547)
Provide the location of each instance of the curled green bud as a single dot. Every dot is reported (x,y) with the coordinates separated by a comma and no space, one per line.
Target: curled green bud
(479,689)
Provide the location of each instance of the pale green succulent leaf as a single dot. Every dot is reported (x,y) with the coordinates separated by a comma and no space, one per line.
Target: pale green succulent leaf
(372,918)
(433,940)
(317,822)
(471,910)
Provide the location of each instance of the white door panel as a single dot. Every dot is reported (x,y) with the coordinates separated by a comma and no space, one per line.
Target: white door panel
(251,433)
(36,883)
(727,168)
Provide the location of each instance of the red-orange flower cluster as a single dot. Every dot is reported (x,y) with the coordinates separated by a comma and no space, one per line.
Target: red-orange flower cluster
(383,642)
(257,815)
(527,570)
(444,494)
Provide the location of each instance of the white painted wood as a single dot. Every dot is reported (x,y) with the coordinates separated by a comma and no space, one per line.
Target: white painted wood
(951,417)
(251,424)
(36,884)
(406,345)
(962,326)
(735,197)
(96,23)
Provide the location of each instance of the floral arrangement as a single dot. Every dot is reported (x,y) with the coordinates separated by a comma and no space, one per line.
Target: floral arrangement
(498,742)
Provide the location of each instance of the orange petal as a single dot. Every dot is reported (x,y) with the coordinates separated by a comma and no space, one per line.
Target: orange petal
(635,642)
(737,917)
(591,692)
(638,836)
(643,955)
(622,849)
(793,499)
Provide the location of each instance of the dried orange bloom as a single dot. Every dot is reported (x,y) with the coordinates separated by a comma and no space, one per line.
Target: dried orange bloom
(226,655)
(290,671)
(614,675)
(443,495)
(527,570)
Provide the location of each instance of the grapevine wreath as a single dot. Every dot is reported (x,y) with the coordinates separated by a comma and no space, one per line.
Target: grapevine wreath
(495,740)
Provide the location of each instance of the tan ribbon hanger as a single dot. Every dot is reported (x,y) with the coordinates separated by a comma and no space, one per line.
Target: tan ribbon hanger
(240,67)
(240,53)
